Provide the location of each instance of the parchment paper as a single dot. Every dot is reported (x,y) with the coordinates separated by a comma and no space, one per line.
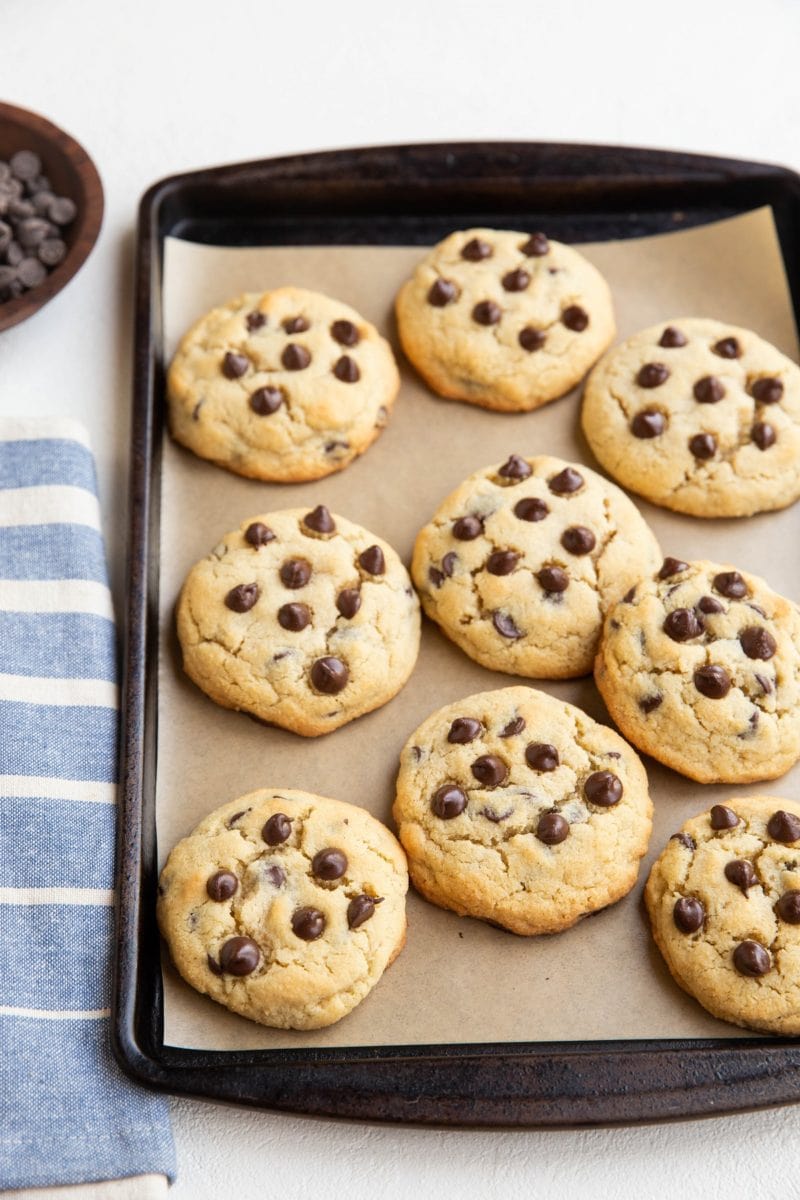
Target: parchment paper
(457,980)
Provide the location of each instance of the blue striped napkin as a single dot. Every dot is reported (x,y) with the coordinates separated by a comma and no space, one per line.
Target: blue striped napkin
(67,1114)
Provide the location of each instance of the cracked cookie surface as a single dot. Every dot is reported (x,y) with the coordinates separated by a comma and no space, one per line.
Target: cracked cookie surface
(504,320)
(285,907)
(300,618)
(520,563)
(699,665)
(287,385)
(698,416)
(519,809)
(724,905)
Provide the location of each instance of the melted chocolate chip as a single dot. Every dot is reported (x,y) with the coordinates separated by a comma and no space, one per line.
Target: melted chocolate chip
(784,827)
(708,605)
(672,337)
(490,770)
(713,682)
(757,642)
(730,584)
(553,580)
(682,625)
(765,684)
(308,924)
(222,885)
(320,520)
(536,246)
(274,875)
(213,965)
(652,375)
(348,602)
(688,914)
(552,829)
(575,318)
(277,829)
(295,573)
(741,873)
(486,312)
(649,704)
(672,566)
(708,390)
(234,365)
(502,562)
(763,435)
(294,617)
(531,509)
(239,956)
(727,348)
(449,561)
(241,598)
(359,910)
(442,292)
(255,320)
(505,626)
(267,400)
(258,534)
(448,801)
(345,333)
(516,281)
(578,540)
(491,814)
(475,250)
(295,325)
(648,424)
(722,817)
(788,907)
(329,864)
(346,369)
(685,840)
(603,788)
(514,726)
(531,339)
(372,560)
(463,730)
(435,576)
(751,958)
(541,756)
(329,675)
(295,357)
(566,482)
(466,529)
(515,468)
(703,446)
(767,391)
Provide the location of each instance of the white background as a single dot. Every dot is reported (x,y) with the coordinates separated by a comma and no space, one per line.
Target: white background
(159,86)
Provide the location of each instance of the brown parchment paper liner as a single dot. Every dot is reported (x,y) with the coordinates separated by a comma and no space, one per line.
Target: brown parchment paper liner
(457,980)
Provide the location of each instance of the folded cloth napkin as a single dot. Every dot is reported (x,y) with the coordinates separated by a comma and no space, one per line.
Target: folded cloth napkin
(67,1113)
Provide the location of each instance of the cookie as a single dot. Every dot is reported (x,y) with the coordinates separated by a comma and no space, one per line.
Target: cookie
(301,618)
(285,907)
(505,320)
(724,904)
(521,810)
(698,416)
(287,385)
(520,563)
(699,665)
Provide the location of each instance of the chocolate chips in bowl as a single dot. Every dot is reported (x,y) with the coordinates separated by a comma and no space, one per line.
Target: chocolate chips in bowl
(51,209)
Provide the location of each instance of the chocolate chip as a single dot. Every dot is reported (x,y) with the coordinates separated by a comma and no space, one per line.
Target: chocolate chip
(514,726)
(648,424)
(242,597)
(333,447)
(578,540)
(372,560)
(767,391)
(712,682)
(329,864)
(708,390)
(751,958)
(788,907)
(490,770)
(552,829)
(688,914)
(294,617)
(566,482)
(730,584)
(536,246)
(502,562)
(239,956)
(345,333)
(359,910)
(707,604)
(722,817)
(25,164)
(463,730)
(553,579)
(649,704)
(727,348)
(448,801)
(234,365)
(505,626)
(51,251)
(575,318)
(516,281)
(496,817)
(442,292)
(267,400)
(346,370)
(449,561)
(255,320)
(652,375)
(475,250)
(685,840)
(31,272)
(672,566)
(764,683)
(682,625)
(213,965)
(348,602)
(295,325)
(277,829)
(258,534)
(757,642)
(62,210)
(531,339)
(741,873)
(308,923)
(703,446)
(515,468)
(672,337)
(222,885)
(295,357)
(531,509)
(541,756)
(320,520)
(763,435)
(295,573)
(466,529)
(329,675)
(275,875)
(784,827)
(486,312)
(603,788)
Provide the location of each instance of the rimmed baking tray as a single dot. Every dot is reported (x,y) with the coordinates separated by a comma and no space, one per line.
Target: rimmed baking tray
(384,196)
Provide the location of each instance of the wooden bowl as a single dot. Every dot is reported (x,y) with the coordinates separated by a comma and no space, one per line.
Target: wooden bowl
(73,174)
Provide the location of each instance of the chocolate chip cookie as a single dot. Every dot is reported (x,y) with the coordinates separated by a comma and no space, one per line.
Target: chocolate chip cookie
(724,904)
(287,385)
(520,563)
(285,907)
(698,416)
(301,618)
(517,808)
(699,665)
(505,320)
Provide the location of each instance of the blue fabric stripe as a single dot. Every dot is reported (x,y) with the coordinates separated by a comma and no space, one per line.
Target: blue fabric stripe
(57,645)
(46,462)
(40,970)
(51,740)
(51,552)
(69,1115)
(56,843)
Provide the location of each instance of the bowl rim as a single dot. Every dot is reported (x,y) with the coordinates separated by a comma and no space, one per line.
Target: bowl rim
(12,312)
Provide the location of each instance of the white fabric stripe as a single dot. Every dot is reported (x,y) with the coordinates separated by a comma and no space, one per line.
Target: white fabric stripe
(32,689)
(35,428)
(100,897)
(56,595)
(49,504)
(56,1014)
(86,791)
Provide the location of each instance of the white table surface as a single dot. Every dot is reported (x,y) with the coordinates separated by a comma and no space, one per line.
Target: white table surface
(160,86)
